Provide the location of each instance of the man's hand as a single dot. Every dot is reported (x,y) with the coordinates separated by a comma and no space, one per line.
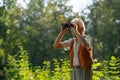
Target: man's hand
(64,29)
(74,28)
(57,42)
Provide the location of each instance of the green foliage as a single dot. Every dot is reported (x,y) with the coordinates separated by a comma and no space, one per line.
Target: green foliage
(19,68)
(107,70)
(103,22)
(61,72)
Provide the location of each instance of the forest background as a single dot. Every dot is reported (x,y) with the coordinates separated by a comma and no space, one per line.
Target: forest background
(27,37)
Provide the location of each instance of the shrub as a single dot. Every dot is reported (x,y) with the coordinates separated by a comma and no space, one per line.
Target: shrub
(18,68)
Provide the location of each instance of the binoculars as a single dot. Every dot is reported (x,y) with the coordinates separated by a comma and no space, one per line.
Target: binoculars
(67,25)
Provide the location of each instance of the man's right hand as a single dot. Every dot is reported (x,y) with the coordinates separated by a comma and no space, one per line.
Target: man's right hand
(57,42)
(64,29)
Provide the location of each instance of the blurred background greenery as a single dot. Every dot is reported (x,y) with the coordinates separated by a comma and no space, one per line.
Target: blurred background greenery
(27,36)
